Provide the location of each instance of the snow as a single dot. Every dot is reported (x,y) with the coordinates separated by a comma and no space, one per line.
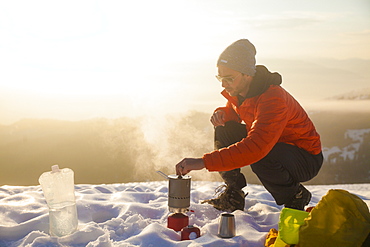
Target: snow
(357,134)
(348,152)
(135,214)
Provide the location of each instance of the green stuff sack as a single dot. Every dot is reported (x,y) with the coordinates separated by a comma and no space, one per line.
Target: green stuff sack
(289,225)
(339,219)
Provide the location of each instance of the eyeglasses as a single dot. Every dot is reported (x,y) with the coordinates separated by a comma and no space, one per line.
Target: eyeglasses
(228,79)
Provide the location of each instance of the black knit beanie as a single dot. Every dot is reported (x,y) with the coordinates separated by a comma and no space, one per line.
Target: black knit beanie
(239,56)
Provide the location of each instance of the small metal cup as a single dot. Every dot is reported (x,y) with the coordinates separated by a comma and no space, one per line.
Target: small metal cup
(226,228)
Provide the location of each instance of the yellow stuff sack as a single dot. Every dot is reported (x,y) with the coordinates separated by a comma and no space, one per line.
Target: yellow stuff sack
(339,219)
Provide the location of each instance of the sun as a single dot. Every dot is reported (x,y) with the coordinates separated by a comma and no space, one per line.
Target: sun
(110,52)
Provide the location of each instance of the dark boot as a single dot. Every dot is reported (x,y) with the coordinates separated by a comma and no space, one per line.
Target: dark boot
(232,197)
(228,200)
(300,200)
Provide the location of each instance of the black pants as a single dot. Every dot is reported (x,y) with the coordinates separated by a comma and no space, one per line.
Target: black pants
(280,171)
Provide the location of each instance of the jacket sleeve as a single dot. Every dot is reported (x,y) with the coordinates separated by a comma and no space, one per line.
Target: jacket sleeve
(230,114)
(267,127)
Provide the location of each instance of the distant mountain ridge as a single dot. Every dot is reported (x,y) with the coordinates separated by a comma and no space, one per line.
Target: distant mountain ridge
(122,150)
(363,94)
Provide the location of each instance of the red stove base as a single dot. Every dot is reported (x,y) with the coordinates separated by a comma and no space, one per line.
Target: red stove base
(177,221)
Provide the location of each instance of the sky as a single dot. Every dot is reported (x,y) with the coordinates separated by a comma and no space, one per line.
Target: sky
(84,59)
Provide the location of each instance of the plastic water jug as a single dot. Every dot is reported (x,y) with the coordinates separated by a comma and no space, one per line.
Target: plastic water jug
(58,188)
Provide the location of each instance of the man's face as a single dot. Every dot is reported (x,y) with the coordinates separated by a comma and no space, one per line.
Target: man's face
(234,82)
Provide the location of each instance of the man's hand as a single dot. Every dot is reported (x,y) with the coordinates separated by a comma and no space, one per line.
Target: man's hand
(218,118)
(189,164)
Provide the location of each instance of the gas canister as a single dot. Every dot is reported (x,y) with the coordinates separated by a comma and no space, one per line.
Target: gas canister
(190,232)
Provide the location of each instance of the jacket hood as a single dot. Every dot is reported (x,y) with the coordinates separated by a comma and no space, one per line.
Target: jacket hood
(262,81)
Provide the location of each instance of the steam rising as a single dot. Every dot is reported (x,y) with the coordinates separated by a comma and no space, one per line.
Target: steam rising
(104,150)
(174,137)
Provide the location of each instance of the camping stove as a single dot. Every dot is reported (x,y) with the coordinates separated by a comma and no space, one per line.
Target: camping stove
(178,201)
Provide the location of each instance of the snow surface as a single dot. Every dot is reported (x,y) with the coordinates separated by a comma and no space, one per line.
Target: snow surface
(135,214)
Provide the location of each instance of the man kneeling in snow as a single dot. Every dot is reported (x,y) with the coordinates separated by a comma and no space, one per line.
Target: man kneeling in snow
(262,125)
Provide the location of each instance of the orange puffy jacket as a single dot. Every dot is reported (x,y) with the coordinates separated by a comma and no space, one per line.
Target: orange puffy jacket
(271,117)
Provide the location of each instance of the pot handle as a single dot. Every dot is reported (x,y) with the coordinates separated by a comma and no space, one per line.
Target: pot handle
(162,174)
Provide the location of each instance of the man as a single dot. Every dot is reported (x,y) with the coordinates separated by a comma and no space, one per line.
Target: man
(262,125)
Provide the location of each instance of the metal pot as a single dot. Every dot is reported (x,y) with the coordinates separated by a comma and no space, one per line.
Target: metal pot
(178,192)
